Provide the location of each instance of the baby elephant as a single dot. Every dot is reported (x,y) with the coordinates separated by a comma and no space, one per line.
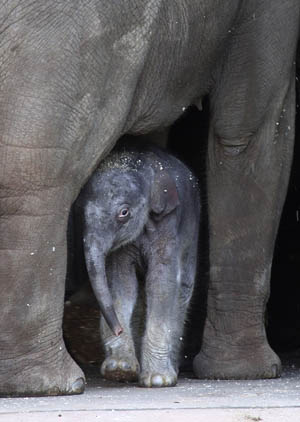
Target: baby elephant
(141,213)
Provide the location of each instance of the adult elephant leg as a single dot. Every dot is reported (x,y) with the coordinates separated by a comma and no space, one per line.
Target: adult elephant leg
(41,171)
(247,183)
(249,159)
(37,187)
(33,358)
(45,155)
(53,132)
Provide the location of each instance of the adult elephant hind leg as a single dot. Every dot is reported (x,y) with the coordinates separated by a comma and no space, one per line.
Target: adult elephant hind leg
(247,183)
(249,158)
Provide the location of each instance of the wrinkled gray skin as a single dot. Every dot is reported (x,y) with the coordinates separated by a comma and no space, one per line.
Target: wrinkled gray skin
(140,217)
(74,77)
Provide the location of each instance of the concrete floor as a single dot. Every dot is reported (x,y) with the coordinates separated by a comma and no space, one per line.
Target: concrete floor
(191,400)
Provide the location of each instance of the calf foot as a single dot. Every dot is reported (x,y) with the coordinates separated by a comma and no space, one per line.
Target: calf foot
(237,363)
(120,368)
(159,375)
(120,363)
(153,379)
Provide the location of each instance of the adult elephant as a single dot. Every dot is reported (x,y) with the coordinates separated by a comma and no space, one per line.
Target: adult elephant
(74,77)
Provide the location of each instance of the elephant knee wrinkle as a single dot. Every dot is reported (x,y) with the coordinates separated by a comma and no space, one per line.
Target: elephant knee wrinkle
(233,147)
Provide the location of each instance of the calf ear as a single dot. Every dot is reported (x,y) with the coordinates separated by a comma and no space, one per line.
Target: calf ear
(164,195)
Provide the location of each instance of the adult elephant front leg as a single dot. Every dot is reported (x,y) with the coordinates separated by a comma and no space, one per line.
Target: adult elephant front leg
(42,170)
(37,187)
(58,116)
(33,358)
(250,151)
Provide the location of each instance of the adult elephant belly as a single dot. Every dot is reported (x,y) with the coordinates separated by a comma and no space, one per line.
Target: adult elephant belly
(175,73)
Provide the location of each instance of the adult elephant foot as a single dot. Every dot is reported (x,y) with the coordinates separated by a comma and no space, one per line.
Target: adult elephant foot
(42,373)
(256,363)
(234,343)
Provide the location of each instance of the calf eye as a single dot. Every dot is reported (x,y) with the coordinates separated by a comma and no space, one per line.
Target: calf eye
(124,214)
